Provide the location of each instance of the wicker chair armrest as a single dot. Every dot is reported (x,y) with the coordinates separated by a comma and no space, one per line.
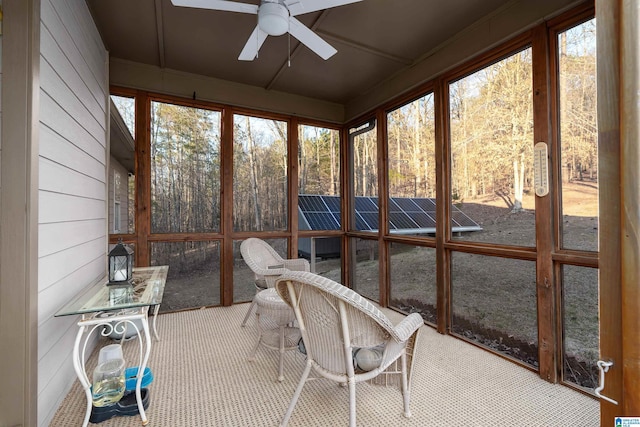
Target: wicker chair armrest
(408,326)
(296,264)
(272,271)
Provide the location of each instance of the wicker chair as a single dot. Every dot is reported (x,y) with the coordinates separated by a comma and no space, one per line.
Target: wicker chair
(267,265)
(274,318)
(336,323)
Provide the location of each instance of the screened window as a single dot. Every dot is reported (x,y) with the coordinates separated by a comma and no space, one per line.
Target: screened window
(578,136)
(491,117)
(319,198)
(185,169)
(366,276)
(498,311)
(413,280)
(318,160)
(319,195)
(193,280)
(364,169)
(412,168)
(259,174)
(581,330)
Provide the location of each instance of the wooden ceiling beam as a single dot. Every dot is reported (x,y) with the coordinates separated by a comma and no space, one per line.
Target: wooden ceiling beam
(365,48)
(160,32)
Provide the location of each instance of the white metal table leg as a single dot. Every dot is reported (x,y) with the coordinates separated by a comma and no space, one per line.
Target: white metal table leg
(147,352)
(78,366)
(156,308)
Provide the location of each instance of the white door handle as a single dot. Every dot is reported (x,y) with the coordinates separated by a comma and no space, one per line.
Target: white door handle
(603,367)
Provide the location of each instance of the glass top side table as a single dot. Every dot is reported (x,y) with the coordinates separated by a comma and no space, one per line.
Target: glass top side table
(148,288)
(108,309)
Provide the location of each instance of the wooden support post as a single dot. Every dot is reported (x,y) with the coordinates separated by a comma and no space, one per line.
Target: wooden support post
(143,178)
(384,276)
(292,160)
(226,156)
(443,192)
(608,15)
(630,203)
(618,41)
(545,284)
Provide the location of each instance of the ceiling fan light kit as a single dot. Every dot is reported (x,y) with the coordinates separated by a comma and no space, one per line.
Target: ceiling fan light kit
(275,18)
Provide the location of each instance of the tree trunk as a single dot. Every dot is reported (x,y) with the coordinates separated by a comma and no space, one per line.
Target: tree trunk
(254,178)
(518,184)
(332,169)
(302,166)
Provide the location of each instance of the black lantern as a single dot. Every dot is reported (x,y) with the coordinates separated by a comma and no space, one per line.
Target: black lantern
(120,264)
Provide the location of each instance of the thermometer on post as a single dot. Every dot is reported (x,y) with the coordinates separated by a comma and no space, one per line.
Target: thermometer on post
(541,169)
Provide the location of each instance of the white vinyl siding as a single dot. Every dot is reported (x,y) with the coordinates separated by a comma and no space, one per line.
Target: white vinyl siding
(72,231)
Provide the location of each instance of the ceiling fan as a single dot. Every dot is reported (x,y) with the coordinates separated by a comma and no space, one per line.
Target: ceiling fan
(275,18)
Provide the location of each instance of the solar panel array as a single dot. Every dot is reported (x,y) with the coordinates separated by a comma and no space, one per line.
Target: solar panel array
(406,215)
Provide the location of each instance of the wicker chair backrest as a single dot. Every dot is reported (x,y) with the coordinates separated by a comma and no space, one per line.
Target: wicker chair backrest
(259,256)
(320,301)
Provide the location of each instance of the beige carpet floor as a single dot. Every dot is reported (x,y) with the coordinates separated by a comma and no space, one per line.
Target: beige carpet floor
(202,378)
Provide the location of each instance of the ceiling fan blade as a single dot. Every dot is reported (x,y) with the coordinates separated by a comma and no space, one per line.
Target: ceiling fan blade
(310,39)
(299,7)
(230,6)
(251,48)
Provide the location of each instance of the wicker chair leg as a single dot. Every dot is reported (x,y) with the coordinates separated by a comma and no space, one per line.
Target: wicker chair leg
(296,395)
(352,402)
(405,389)
(249,311)
(281,361)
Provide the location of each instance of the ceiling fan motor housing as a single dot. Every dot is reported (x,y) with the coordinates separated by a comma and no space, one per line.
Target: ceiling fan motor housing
(273,18)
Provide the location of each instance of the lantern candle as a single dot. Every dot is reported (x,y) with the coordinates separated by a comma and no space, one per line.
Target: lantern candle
(120,264)
(120,275)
